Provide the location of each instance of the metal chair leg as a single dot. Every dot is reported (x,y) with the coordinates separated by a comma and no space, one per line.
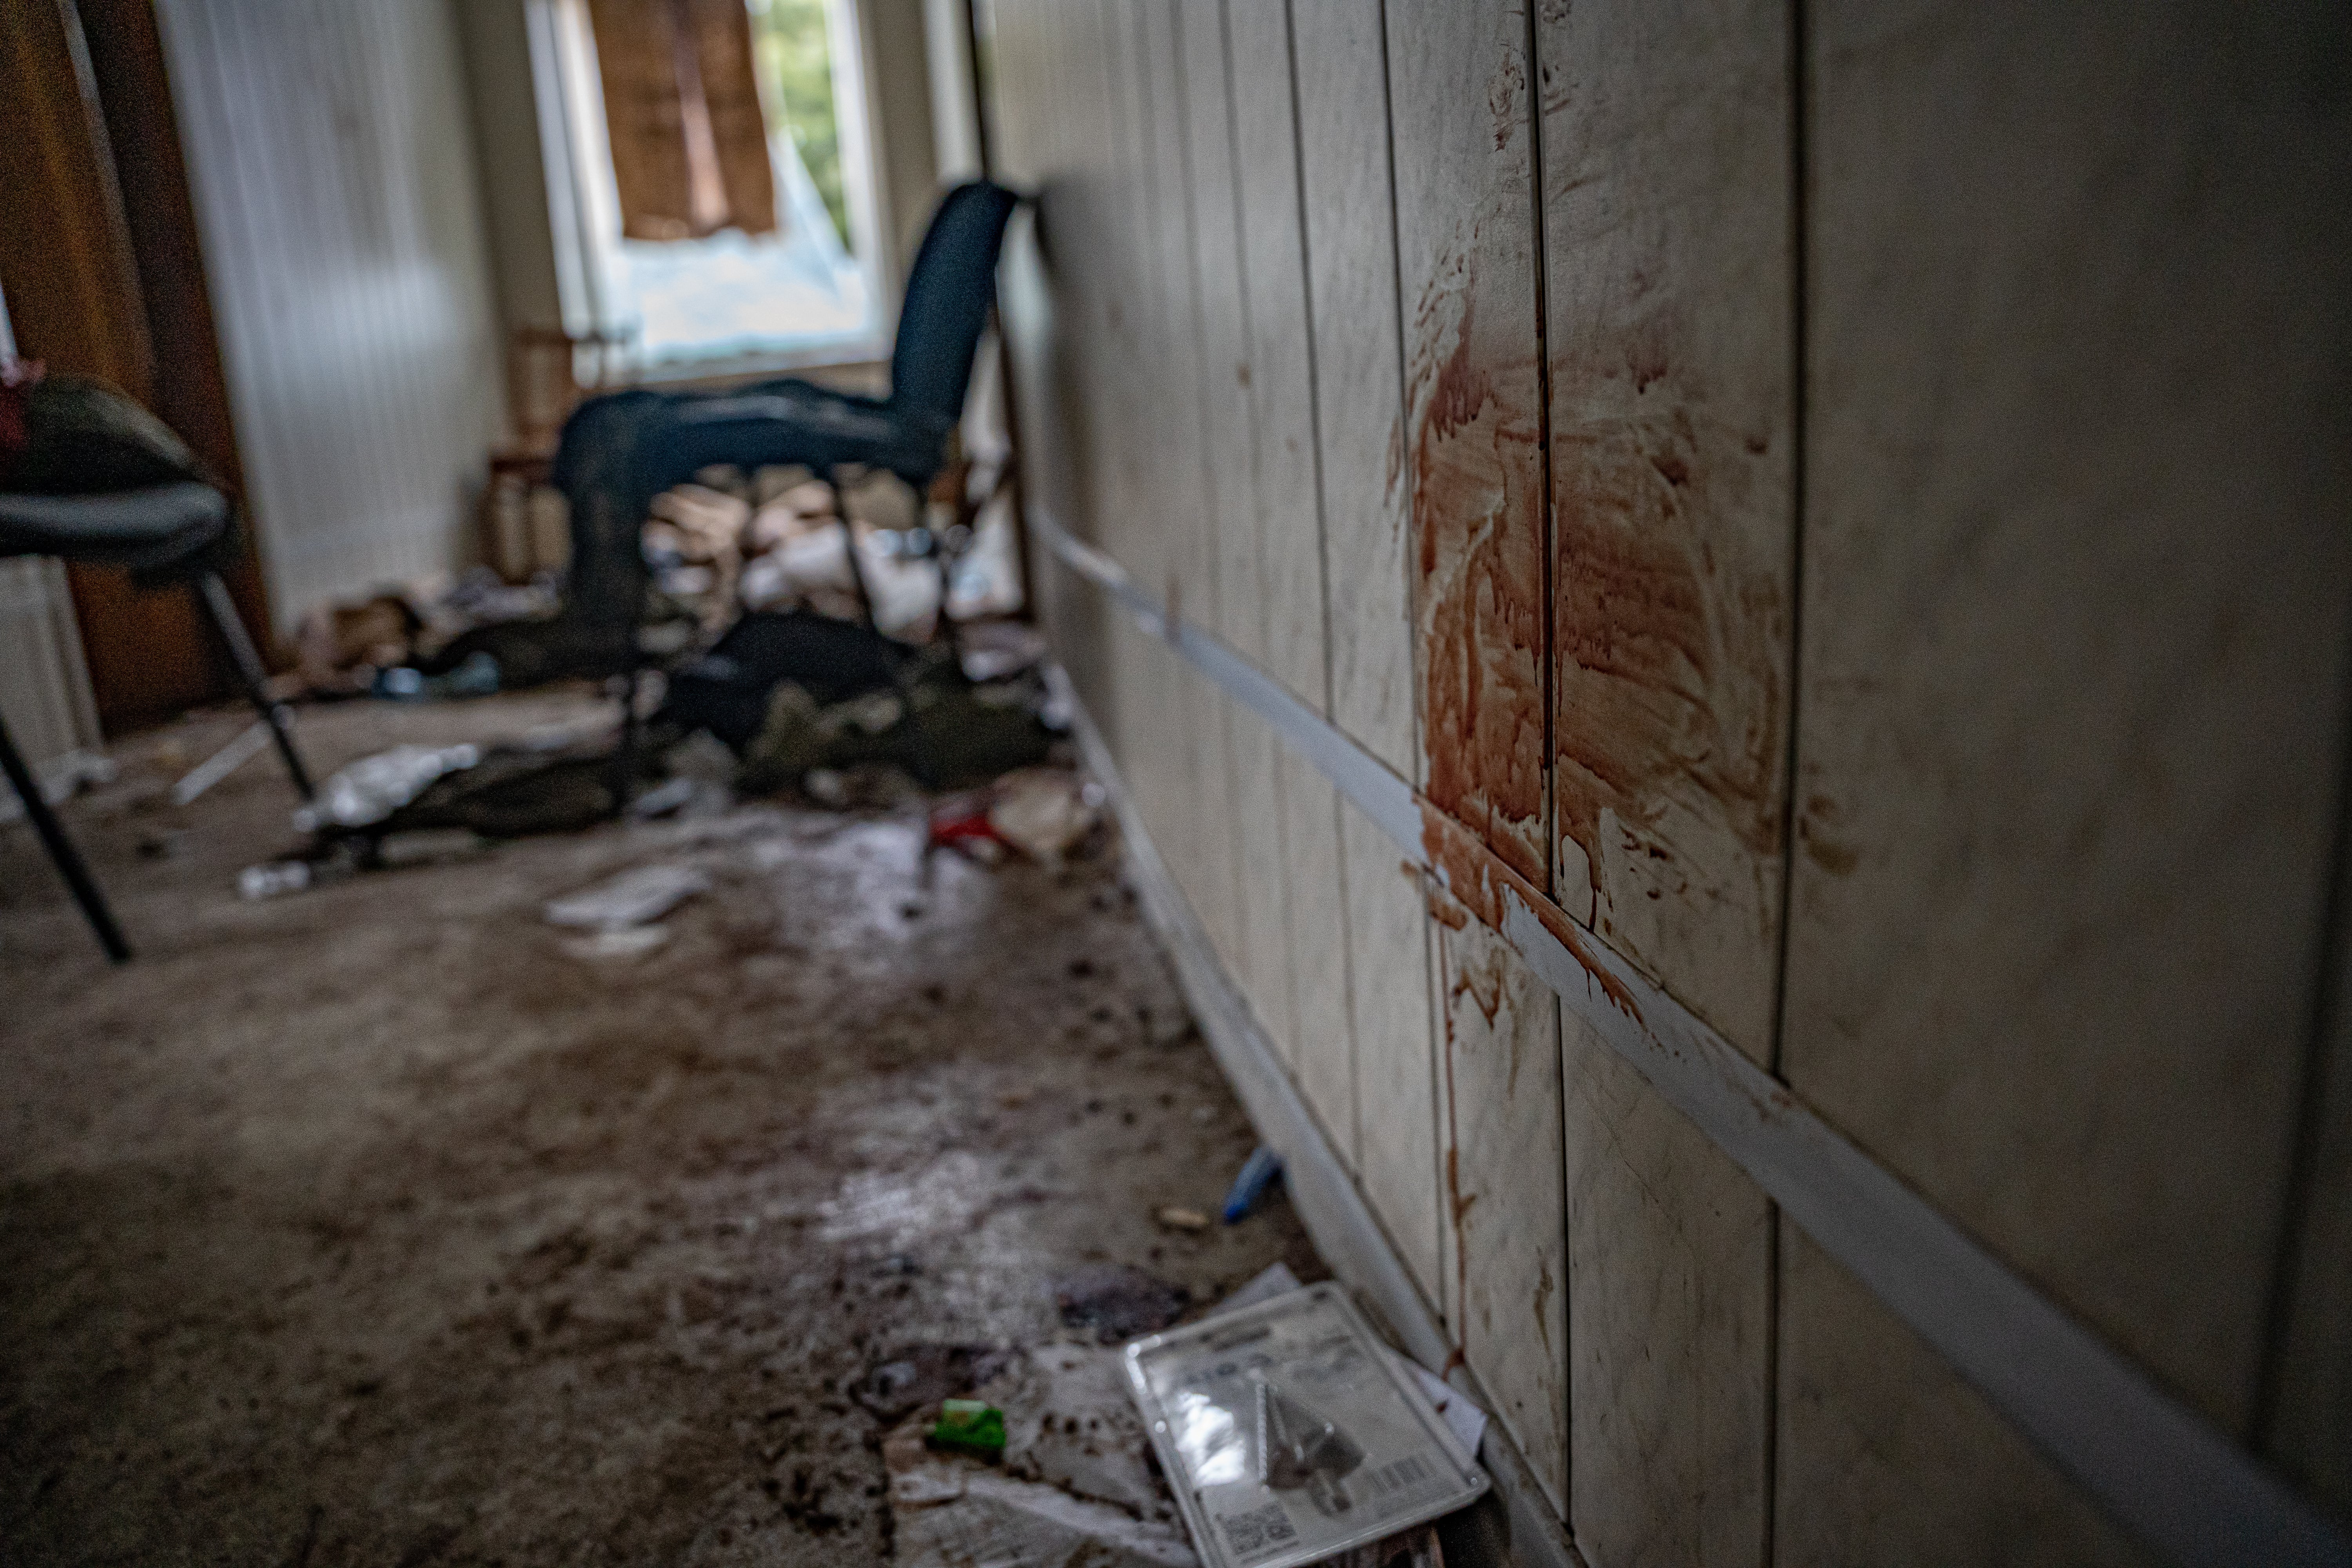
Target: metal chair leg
(622,775)
(849,548)
(62,853)
(247,665)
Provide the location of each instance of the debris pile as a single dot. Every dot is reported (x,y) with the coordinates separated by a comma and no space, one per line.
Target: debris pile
(783,539)
(768,665)
(797,693)
(1043,1457)
(410,641)
(621,916)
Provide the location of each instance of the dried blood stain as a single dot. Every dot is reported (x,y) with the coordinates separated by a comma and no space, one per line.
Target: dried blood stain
(1478,505)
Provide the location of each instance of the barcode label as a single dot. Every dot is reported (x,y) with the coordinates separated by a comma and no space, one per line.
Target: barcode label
(1408,1474)
(1258,1532)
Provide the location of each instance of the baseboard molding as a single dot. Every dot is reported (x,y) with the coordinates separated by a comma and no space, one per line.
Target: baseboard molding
(1522,1529)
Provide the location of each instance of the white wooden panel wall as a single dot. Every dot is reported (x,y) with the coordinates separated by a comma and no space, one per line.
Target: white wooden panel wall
(335,193)
(2062,272)
(1644,426)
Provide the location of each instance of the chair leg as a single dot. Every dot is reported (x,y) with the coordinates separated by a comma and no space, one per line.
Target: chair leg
(849,548)
(245,664)
(62,853)
(622,776)
(949,632)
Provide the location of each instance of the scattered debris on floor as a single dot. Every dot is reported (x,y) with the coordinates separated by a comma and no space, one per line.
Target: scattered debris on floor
(1288,1435)
(276,877)
(1414,1548)
(1073,1483)
(635,898)
(250,742)
(370,789)
(1118,1302)
(956,1514)
(1041,1458)
(1017,1298)
(1045,812)
(969,1426)
(409,641)
(925,1375)
(774,540)
(338,647)
(1258,1174)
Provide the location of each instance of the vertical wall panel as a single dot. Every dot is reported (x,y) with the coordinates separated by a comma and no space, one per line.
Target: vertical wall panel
(1054,411)
(1670,1300)
(1350,228)
(1507,1231)
(1668,235)
(1269,962)
(1280,385)
(1260,885)
(2077,579)
(1224,322)
(1886,1456)
(1184,512)
(1068,47)
(1667,239)
(1168,432)
(1395,1133)
(1462,138)
(335,191)
(1281,396)
(1321,981)
(1211,593)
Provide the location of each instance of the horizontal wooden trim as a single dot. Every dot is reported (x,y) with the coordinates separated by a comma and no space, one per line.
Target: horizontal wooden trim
(2160,1468)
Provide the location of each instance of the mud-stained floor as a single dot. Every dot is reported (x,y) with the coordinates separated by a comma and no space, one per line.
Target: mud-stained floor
(367,1225)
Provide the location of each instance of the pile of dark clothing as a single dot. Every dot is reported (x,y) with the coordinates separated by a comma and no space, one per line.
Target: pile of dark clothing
(793,693)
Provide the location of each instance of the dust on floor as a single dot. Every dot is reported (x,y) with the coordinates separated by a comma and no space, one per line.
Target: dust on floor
(365,1225)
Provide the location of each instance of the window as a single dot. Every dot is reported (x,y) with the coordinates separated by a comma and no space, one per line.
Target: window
(723,301)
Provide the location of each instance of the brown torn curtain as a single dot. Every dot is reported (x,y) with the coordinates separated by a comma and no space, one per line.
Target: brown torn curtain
(682,108)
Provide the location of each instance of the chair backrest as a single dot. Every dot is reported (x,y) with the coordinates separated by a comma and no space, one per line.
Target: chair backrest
(949,291)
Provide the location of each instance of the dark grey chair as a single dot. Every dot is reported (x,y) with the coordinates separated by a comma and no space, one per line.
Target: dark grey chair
(165,534)
(620,450)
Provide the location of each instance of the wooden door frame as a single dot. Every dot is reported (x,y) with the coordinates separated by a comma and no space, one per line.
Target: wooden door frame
(104,273)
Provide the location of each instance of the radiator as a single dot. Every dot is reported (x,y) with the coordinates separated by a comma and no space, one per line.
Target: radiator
(44,687)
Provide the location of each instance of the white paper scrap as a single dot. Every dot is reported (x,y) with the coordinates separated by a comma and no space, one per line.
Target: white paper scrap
(631,898)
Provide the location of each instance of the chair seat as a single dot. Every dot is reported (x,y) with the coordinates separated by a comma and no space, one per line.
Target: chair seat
(798,422)
(151,531)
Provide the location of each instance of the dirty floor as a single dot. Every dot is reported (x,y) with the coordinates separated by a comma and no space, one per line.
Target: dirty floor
(367,1225)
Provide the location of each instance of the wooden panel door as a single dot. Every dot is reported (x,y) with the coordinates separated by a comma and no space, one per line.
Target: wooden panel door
(99,258)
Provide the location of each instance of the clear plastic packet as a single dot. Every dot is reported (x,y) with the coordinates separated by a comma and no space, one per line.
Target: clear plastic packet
(1287,1435)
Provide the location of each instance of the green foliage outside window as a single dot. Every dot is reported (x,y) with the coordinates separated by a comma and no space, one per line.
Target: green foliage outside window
(792,49)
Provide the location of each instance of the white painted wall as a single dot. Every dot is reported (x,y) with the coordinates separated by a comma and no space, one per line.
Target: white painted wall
(332,161)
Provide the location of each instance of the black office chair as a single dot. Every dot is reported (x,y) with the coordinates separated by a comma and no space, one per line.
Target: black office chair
(165,534)
(621,451)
